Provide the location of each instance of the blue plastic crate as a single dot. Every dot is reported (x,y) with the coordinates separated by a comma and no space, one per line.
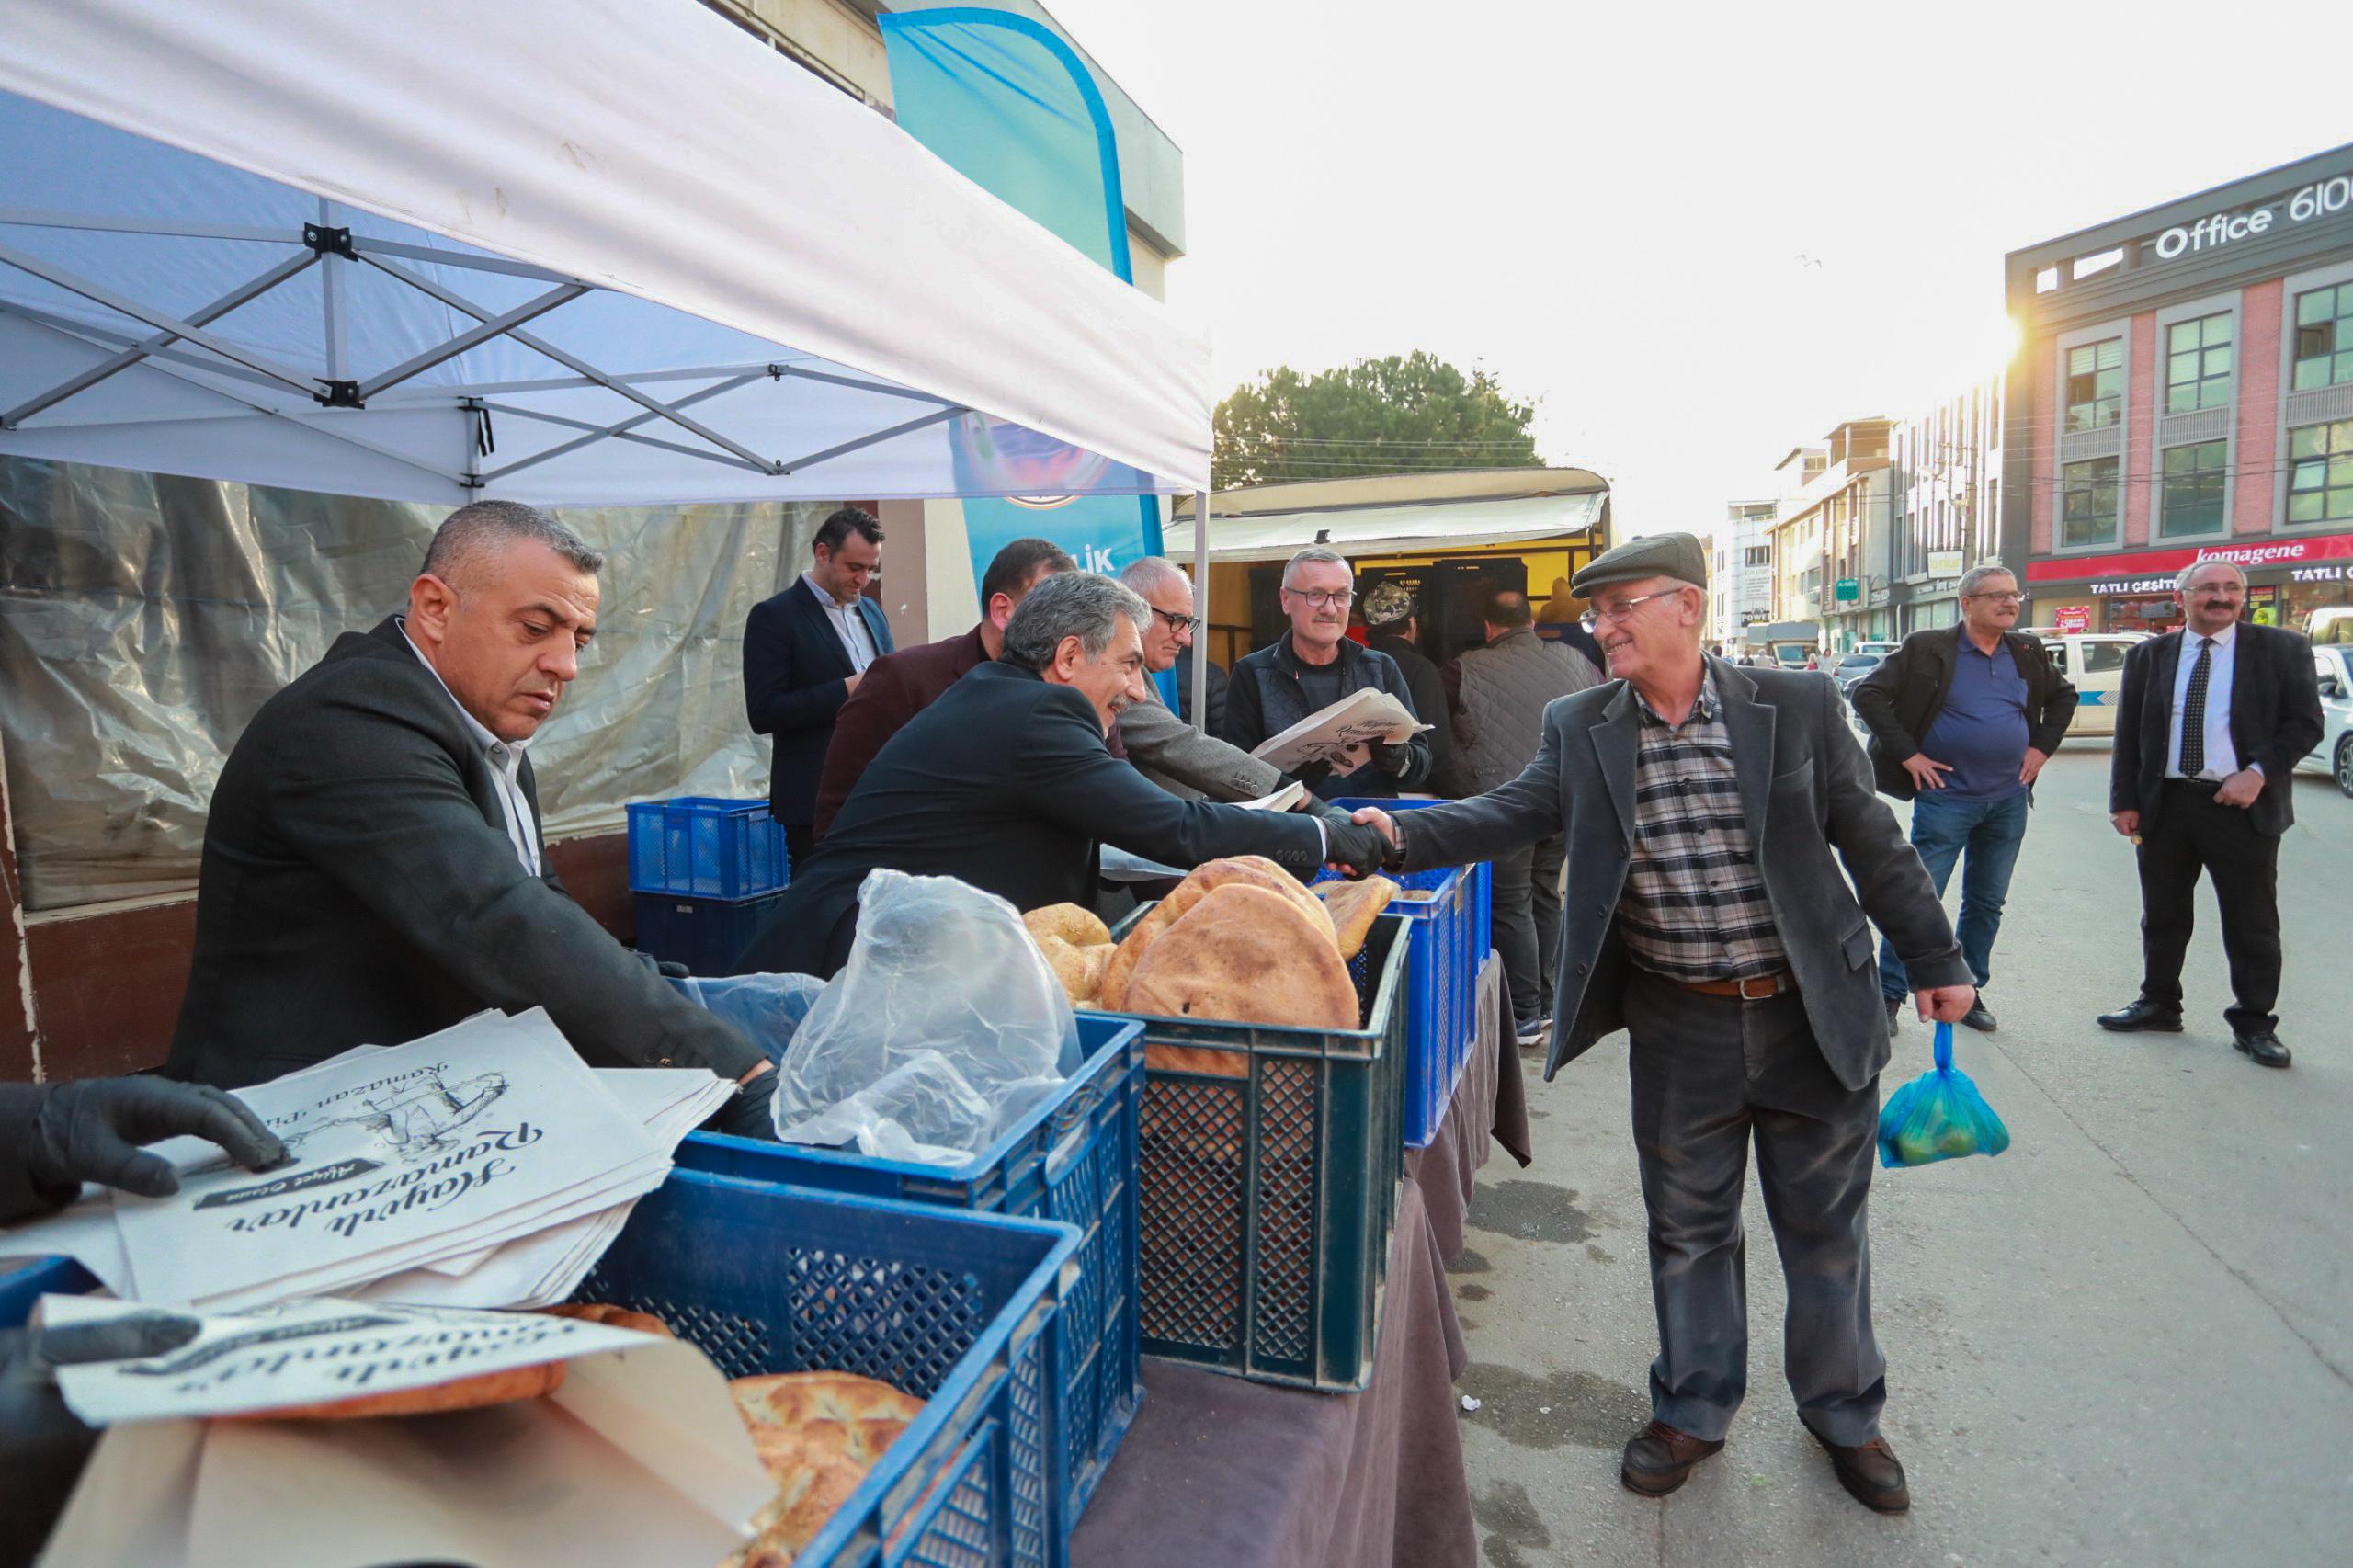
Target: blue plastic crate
(704,934)
(1073,1159)
(1441,993)
(22,1284)
(955,1309)
(699,847)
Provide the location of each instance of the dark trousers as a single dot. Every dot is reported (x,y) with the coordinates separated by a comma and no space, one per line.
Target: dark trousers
(1710,1074)
(2191,832)
(1527,894)
(800,843)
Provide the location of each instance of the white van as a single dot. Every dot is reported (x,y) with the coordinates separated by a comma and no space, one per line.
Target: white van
(2094,661)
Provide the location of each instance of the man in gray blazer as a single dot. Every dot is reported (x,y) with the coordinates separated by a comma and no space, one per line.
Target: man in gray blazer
(1164,749)
(1706,915)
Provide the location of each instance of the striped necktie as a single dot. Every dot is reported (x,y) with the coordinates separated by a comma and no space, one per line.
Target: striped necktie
(2193,711)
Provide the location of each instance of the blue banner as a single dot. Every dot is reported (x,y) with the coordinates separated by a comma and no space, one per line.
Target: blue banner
(1007,103)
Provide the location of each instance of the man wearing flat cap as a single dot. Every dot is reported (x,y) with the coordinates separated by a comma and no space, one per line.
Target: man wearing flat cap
(1706,916)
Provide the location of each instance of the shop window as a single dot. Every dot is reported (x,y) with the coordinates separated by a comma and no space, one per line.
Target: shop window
(2087,511)
(2191,499)
(2095,384)
(2197,364)
(2320,472)
(2325,338)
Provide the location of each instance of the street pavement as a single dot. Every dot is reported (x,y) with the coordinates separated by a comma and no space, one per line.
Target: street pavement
(2127,1340)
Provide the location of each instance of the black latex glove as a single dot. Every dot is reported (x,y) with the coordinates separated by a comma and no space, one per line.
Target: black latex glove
(1357,848)
(750,1113)
(1392,761)
(90,1130)
(42,1445)
(666,968)
(1311,774)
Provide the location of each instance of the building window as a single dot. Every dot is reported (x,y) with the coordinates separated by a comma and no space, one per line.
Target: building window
(1758,555)
(2320,472)
(2325,338)
(2087,513)
(2197,364)
(2095,384)
(2192,496)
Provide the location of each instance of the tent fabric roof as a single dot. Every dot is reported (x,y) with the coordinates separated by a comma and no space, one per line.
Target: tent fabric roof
(656,263)
(1399,489)
(1402,529)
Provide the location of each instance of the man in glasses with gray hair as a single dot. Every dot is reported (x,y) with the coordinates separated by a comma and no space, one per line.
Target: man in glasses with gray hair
(1313,666)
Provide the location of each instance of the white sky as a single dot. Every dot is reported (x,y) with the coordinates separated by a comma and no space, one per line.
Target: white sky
(1695,236)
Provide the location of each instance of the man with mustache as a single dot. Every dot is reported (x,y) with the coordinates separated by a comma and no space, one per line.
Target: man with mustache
(373,866)
(2210,724)
(1005,782)
(1315,665)
(1708,916)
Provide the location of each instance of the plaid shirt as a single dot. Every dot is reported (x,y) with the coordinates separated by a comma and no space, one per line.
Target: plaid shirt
(1694,905)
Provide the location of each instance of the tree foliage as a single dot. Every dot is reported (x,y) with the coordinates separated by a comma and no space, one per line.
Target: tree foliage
(1402,414)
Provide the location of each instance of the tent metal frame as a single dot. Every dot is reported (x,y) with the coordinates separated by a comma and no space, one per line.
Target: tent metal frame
(181,347)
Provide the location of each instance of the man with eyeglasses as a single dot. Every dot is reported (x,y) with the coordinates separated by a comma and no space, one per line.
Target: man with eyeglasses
(1708,916)
(1313,666)
(1164,748)
(1962,718)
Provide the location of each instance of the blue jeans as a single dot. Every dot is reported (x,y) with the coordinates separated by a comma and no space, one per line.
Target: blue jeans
(1991,831)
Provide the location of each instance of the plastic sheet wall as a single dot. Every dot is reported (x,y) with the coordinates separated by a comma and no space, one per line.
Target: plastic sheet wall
(144,618)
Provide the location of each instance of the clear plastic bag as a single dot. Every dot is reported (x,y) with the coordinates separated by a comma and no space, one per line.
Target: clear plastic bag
(768,1008)
(1939,1115)
(944,1027)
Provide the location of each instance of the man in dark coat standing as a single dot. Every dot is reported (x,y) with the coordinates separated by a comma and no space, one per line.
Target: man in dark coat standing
(1313,666)
(1393,626)
(804,651)
(2210,722)
(373,866)
(1709,916)
(1005,782)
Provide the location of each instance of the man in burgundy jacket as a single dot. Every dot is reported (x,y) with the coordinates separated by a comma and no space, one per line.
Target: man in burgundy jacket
(899,685)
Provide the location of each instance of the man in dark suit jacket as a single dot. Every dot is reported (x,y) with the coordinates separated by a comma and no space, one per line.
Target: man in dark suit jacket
(1706,914)
(804,651)
(1005,782)
(2210,722)
(899,685)
(373,867)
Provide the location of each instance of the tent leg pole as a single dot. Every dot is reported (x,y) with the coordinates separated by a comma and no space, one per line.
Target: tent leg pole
(1201,672)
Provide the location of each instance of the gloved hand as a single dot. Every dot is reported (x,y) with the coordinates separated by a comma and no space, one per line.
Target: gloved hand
(42,1445)
(1392,761)
(1311,774)
(89,1130)
(1355,849)
(749,1114)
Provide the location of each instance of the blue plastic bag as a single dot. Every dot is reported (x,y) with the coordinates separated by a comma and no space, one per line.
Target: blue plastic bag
(1939,1115)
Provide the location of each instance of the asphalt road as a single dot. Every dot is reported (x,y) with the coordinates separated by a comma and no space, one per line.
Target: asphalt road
(2127,1340)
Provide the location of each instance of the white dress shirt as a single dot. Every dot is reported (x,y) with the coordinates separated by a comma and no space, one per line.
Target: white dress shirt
(505,770)
(849,625)
(2222,755)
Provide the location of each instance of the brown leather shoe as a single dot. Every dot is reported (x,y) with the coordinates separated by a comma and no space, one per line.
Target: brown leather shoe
(1659,1458)
(1871,1473)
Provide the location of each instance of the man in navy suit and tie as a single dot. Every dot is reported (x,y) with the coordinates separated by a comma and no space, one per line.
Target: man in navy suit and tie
(2209,724)
(804,653)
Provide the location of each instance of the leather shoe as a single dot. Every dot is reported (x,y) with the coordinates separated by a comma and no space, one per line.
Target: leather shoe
(2265,1047)
(2143,1015)
(1659,1458)
(1871,1473)
(1979,1017)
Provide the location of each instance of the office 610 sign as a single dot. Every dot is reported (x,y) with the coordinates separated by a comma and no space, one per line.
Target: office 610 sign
(2322,198)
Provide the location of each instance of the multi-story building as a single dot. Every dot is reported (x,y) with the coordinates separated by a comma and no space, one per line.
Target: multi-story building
(2185,391)
(1945,489)
(1830,539)
(1740,578)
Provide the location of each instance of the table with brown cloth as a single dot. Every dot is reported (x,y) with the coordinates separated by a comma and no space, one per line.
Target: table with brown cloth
(1253,1475)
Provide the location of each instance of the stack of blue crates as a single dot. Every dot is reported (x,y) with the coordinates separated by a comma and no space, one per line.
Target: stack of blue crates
(706,873)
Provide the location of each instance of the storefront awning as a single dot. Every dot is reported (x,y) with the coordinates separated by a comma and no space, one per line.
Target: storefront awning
(1404,529)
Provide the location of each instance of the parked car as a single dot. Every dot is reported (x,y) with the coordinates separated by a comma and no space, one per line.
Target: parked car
(2094,661)
(1852,667)
(2334,756)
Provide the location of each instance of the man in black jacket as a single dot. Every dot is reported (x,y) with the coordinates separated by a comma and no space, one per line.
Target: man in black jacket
(1313,666)
(1393,626)
(1962,719)
(804,653)
(373,866)
(2210,722)
(1005,782)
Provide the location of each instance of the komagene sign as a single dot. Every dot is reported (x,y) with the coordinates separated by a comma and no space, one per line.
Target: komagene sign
(2156,566)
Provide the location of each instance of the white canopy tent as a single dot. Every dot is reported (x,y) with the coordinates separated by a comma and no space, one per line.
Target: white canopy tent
(568,252)
(1397,529)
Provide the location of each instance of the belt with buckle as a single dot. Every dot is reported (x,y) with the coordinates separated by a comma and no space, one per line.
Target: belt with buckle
(1756,988)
